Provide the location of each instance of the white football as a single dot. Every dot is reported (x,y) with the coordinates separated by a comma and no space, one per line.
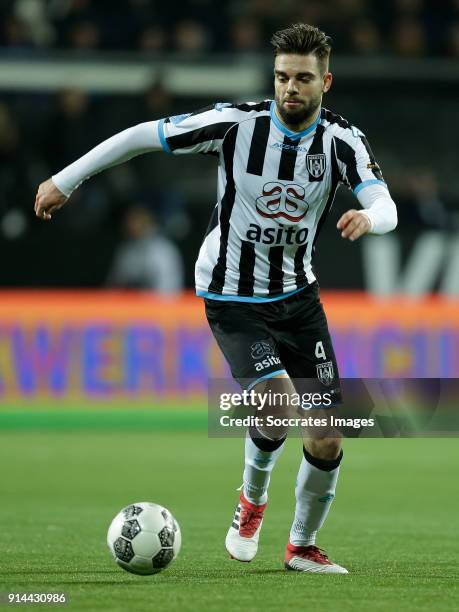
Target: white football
(144,538)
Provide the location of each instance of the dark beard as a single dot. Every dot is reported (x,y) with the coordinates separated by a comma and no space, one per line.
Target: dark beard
(294,118)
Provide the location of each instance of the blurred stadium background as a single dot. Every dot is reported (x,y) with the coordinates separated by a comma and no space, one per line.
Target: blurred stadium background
(73,72)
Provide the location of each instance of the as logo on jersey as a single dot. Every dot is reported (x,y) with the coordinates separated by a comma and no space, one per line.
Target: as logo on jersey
(282,201)
(316,164)
(260,349)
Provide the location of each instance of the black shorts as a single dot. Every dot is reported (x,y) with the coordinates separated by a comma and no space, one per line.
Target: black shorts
(260,340)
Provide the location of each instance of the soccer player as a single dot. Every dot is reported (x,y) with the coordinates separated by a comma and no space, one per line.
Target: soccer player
(280,163)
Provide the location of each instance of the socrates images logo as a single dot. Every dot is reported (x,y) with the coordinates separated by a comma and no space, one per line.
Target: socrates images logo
(282,201)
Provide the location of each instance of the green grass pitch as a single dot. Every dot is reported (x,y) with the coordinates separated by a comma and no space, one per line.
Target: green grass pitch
(394,522)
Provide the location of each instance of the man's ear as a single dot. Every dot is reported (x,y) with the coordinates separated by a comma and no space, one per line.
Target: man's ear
(328,80)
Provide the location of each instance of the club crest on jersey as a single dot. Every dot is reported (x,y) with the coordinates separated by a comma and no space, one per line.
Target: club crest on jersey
(260,349)
(316,164)
(325,373)
(279,200)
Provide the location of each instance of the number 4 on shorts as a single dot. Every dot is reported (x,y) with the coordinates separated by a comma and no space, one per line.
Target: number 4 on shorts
(320,351)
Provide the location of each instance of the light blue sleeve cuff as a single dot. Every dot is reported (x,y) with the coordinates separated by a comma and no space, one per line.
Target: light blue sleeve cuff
(364,184)
(162,138)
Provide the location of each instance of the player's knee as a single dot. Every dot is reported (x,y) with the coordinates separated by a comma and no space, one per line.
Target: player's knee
(276,391)
(274,433)
(274,406)
(265,441)
(323,448)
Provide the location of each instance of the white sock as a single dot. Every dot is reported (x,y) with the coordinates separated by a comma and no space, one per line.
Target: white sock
(257,472)
(314,492)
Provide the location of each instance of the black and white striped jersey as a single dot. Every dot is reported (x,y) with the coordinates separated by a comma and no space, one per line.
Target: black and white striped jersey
(275,189)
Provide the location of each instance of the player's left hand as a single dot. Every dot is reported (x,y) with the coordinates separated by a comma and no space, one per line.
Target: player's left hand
(353,224)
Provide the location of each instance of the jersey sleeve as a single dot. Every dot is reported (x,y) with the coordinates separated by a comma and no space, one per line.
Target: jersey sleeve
(202,131)
(357,164)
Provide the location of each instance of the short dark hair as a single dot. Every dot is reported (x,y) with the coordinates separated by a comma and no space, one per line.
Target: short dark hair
(302,39)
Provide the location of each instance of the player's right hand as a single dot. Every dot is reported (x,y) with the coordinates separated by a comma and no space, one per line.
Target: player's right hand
(48,199)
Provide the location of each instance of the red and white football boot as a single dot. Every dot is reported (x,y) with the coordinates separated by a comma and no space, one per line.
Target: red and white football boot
(310,559)
(242,537)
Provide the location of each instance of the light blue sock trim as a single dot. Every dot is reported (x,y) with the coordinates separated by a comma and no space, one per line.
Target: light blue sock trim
(162,138)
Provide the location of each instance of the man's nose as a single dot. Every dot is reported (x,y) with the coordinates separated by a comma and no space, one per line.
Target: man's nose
(292,87)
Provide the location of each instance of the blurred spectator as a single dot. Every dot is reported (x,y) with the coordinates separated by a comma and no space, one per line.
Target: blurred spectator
(153,39)
(418,200)
(408,7)
(261,9)
(365,38)
(72,126)
(195,26)
(452,41)
(9,132)
(409,38)
(152,173)
(76,24)
(142,7)
(155,102)
(40,132)
(34,14)
(430,208)
(191,37)
(16,34)
(84,36)
(158,101)
(315,12)
(147,259)
(351,8)
(246,36)
(12,175)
